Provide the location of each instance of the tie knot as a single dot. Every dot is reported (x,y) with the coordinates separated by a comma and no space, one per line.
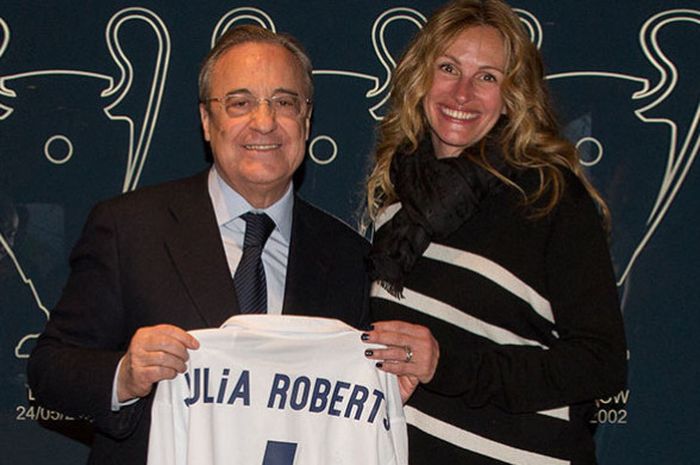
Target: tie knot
(258,228)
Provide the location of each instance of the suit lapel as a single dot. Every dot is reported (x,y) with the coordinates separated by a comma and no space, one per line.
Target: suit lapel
(308,265)
(194,243)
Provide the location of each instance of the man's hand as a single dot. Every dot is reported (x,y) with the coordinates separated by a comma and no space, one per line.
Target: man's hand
(155,353)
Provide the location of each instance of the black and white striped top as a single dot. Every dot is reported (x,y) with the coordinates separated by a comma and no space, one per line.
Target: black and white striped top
(526,314)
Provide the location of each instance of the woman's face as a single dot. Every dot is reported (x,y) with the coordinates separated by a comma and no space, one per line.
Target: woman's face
(464,101)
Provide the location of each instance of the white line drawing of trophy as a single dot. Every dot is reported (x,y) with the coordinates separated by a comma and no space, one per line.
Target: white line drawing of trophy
(78,127)
(660,136)
(375,88)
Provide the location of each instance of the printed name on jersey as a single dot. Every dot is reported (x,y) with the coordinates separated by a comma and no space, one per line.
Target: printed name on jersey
(298,393)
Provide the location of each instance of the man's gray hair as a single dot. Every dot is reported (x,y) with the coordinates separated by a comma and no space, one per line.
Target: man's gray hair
(252,33)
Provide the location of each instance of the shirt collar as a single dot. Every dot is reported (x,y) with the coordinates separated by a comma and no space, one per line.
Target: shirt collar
(229,205)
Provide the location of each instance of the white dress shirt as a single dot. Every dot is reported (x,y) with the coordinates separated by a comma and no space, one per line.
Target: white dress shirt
(229,205)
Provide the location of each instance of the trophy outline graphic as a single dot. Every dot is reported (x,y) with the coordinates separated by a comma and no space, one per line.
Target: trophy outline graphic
(116,89)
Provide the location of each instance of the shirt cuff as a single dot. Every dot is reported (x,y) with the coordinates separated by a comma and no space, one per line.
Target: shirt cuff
(116,405)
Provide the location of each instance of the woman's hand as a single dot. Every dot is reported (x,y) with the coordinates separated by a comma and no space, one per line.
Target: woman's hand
(412,353)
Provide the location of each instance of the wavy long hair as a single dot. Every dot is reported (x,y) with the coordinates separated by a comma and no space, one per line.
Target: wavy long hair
(529,136)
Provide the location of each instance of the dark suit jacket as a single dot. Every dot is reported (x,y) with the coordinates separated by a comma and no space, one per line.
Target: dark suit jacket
(155,256)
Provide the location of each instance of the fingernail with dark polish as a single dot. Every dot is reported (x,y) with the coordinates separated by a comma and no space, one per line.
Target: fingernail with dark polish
(369,352)
(379,364)
(371,327)
(364,337)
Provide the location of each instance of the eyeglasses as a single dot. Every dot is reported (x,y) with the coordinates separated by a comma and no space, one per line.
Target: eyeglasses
(288,105)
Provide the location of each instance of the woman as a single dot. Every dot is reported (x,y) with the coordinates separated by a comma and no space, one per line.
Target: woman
(493,283)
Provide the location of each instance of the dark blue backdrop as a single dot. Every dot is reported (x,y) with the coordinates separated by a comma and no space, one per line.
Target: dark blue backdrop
(99,97)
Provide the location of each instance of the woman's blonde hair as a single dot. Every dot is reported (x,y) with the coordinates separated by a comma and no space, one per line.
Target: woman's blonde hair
(530,135)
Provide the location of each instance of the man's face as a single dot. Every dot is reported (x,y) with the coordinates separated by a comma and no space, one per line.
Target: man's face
(258,152)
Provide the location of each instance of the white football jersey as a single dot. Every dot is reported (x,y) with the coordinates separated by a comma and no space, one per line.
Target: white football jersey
(279,390)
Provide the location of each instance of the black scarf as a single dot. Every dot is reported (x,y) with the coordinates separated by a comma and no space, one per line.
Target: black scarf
(437,196)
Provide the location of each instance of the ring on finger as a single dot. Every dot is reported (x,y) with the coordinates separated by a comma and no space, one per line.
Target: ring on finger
(409,354)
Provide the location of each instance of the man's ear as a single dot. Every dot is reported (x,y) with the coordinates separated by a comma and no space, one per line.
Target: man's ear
(307,123)
(204,117)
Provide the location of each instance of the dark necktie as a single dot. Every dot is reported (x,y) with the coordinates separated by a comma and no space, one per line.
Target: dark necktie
(249,278)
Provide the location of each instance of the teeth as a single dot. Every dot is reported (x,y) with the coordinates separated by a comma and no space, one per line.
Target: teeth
(262,146)
(459,114)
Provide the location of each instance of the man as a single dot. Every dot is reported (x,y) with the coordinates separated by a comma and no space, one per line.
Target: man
(157,262)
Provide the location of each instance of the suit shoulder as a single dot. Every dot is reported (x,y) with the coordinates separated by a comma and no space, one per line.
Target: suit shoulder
(329,225)
(151,197)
